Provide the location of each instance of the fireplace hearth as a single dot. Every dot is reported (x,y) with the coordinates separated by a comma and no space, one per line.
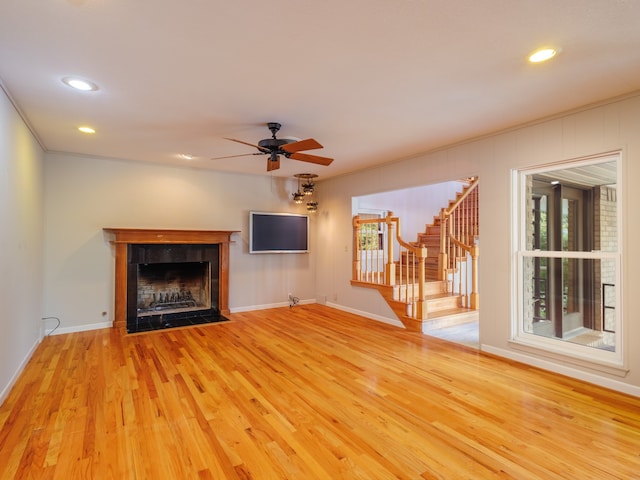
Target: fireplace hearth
(169,278)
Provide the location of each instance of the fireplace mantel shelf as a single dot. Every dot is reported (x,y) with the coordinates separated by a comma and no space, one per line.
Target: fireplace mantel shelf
(121,238)
(141,235)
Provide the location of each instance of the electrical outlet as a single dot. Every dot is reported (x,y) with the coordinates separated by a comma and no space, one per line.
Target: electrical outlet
(292,300)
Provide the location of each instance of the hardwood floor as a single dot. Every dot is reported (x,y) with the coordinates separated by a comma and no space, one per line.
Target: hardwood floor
(305,393)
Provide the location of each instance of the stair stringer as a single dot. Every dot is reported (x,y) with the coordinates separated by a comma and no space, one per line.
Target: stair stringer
(437,305)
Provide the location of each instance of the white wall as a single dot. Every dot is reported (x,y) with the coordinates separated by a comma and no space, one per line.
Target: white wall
(429,200)
(591,131)
(20,244)
(83,195)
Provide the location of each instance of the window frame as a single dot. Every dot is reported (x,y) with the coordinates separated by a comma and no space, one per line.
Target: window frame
(552,345)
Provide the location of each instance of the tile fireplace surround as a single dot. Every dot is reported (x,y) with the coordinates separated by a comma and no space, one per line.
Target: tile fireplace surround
(122,238)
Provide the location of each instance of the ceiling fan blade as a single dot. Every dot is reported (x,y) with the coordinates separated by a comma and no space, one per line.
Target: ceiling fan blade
(305,157)
(233,156)
(262,149)
(273,164)
(308,144)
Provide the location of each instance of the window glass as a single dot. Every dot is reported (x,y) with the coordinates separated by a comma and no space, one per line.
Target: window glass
(569,259)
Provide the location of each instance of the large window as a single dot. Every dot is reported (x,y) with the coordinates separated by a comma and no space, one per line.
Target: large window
(568,259)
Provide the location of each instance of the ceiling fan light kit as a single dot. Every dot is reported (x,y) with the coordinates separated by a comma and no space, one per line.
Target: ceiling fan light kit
(287,147)
(297,197)
(308,189)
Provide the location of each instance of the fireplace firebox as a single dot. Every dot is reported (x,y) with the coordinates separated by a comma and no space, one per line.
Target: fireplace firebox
(168,278)
(171,285)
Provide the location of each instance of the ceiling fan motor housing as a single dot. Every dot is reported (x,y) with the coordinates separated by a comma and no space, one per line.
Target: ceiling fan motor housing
(274,143)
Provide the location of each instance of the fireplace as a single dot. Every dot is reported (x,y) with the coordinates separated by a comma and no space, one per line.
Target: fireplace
(171,285)
(168,278)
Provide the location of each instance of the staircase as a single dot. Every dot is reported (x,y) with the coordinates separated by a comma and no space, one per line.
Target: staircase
(430,238)
(442,307)
(424,286)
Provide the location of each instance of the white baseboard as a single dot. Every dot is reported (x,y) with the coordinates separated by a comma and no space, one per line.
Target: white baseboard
(251,308)
(248,308)
(79,328)
(391,321)
(12,381)
(564,370)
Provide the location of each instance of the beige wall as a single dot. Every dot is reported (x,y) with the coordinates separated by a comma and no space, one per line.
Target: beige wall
(20,244)
(614,126)
(84,195)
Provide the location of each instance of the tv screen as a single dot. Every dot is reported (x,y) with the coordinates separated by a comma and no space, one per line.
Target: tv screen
(278,233)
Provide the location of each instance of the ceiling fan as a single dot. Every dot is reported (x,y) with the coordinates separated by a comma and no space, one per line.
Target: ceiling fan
(290,148)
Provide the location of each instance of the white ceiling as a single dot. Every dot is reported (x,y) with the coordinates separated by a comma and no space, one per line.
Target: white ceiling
(372,80)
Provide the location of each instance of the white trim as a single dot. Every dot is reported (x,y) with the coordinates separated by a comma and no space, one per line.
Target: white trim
(593,255)
(379,318)
(568,352)
(266,306)
(79,328)
(391,321)
(610,362)
(564,370)
(12,381)
(608,156)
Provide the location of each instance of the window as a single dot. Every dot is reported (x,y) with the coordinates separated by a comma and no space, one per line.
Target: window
(568,259)
(371,234)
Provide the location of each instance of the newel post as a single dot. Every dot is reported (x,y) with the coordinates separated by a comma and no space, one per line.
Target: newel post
(421,305)
(442,255)
(390,267)
(475,296)
(356,273)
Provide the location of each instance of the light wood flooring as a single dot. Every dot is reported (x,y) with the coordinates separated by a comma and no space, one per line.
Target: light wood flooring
(304,393)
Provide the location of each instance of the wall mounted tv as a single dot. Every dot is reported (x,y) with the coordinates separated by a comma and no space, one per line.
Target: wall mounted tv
(278,233)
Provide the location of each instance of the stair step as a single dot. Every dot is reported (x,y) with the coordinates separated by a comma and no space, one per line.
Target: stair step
(432,243)
(441,302)
(410,267)
(436,287)
(435,302)
(435,236)
(414,260)
(452,316)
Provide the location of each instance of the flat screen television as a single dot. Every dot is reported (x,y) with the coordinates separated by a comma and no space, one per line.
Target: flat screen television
(278,232)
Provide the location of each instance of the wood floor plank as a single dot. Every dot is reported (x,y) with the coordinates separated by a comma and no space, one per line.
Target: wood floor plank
(304,393)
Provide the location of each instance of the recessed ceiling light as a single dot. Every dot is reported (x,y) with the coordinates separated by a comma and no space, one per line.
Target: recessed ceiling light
(186,156)
(85,129)
(542,55)
(80,84)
